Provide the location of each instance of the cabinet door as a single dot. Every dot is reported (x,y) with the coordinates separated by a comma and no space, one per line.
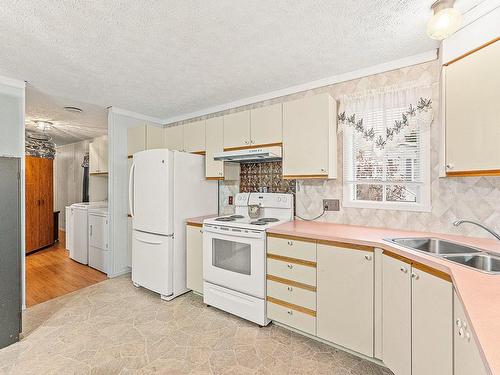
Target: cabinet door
(33,204)
(267,125)
(194,136)
(396,315)
(467,358)
(154,137)
(136,139)
(194,249)
(93,157)
(98,231)
(214,133)
(237,130)
(345,297)
(173,137)
(102,154)
(472,89)
(309,138)
(432,331)
(46,196)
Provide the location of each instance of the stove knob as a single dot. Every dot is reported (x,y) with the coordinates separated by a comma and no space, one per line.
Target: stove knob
(279,199)
(284,199)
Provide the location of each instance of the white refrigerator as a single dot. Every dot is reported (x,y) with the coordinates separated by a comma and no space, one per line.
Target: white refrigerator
(166,188)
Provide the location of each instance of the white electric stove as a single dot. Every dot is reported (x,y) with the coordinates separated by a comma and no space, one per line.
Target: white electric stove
(234,254)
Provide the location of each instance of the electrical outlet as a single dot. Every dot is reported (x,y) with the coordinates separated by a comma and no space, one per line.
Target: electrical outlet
(230,200)
(331,204)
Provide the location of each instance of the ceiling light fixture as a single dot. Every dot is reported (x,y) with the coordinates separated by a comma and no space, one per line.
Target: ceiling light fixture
(73,109)
(43,125)
(445,20)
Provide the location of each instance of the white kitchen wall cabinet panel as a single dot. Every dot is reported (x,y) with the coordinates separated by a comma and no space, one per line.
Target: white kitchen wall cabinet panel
(98,155)
(194,137)
(173,138)
(214,138)
(310,138)
(396,315)
(432,324)
(194,250)
(267,125)
(237,130)
(472,113)
(467,358)
(345,297)
(136,139)
(154,137)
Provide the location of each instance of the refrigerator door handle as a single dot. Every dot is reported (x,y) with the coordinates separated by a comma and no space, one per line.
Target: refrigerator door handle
(130,190)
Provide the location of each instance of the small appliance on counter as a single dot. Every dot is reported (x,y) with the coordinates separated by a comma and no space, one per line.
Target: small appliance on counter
(234,254)
(165,188)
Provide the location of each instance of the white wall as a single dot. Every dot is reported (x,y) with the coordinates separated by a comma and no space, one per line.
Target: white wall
(68,177)
(118,123)
(12,99)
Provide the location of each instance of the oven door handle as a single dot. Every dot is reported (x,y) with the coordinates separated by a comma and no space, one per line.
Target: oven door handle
(232,232)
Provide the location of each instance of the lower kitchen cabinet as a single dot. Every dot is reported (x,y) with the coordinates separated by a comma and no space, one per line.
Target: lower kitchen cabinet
(345,302)
(467,358)
(417,319)
(194,261)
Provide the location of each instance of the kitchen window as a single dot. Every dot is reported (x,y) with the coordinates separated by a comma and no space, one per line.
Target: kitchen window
(386,151)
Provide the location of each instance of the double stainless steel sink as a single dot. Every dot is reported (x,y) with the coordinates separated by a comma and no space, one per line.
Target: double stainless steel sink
(465,255)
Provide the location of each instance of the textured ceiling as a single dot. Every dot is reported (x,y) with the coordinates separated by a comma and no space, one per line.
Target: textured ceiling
(165,58)
(68,127)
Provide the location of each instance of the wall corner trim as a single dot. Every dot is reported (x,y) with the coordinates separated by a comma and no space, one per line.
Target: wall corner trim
(136,115)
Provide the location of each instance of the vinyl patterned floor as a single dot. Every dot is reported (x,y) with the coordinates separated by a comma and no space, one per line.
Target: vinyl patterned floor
(113,328)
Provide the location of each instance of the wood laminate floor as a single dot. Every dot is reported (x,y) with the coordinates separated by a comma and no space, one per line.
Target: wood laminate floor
(51,273)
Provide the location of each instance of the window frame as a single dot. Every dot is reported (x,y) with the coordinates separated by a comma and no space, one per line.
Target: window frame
(424,205)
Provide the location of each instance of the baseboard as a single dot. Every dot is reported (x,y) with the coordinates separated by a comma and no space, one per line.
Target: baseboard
(119,273)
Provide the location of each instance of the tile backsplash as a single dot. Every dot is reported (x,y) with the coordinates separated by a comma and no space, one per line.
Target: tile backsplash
(267,176)
(476,198)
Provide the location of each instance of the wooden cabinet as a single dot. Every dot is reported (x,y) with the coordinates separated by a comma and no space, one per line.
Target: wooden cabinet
(467,358)
(214,138)
(194,136)
(144,137)
(98,155)
(345,297)
(417,318)
(291,282)
(237,130)
(173,137)
(266,125)
(472,113)
(309,137)
(194,261)
(154,137)
(39,203)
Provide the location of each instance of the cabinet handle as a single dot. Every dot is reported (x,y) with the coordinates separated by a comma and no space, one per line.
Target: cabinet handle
(449,166)
(404,269)
(467,336)
(461,332)
(414,275)
(458,322)
(201,230)
(247,142)
(290,266)
(290,289)
(290,243)
(290,312)
(91,230)
(323,170)
(368,257)
(252,142)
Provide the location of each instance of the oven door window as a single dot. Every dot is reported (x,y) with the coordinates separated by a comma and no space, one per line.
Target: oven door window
(232,256)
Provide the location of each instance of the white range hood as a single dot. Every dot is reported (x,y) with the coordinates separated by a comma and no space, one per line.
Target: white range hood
(250,155)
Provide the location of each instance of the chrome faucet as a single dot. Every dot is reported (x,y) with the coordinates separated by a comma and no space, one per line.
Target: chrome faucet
(489,230)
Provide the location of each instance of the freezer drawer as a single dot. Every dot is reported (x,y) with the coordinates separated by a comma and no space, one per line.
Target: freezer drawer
(152,257)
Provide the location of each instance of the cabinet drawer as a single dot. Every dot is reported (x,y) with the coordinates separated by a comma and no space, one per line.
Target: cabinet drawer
(291,317)
(292,294)
(292,271)
(292,248)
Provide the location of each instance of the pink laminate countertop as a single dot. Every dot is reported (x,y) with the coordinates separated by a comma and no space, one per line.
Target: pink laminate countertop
(479,292)
(198,221)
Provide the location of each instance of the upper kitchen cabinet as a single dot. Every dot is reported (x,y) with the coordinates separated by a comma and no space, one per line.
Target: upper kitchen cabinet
(214,141)
(309,138)
(472,113)
(266,125)
(237,130)
(144,137)
(98,155)
(194,137)
(173,137)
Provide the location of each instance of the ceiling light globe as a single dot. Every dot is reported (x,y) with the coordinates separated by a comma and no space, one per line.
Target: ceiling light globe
(444,23)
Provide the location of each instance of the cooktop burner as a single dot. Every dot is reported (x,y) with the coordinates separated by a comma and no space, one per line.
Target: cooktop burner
(268,220)
(258,222)
(229,218)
